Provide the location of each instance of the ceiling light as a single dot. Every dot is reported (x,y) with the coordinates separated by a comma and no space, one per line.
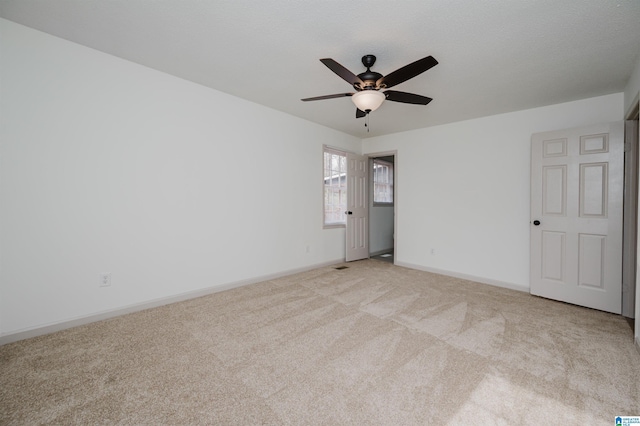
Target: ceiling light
(368,100)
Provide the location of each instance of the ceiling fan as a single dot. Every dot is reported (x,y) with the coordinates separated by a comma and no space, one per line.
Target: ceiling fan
(368,84)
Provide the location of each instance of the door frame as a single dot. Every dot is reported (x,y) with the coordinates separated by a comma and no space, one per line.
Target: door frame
(630,218)
(633,114)
(371,156)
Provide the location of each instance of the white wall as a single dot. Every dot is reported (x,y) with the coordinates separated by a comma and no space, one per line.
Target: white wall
(108,166)
(380,229)
(465,189)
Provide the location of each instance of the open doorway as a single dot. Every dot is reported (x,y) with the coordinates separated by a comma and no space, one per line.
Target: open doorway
(382,197)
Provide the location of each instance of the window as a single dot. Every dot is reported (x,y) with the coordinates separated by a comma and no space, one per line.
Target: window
(335,187)
(382,182)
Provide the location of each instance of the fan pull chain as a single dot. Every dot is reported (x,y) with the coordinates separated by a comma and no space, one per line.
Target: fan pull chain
(366,122)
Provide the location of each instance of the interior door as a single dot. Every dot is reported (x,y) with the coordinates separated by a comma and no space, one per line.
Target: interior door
(357,212)
(576,215)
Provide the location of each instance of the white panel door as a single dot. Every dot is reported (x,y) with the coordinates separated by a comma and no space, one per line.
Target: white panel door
(576,215)
(357,208)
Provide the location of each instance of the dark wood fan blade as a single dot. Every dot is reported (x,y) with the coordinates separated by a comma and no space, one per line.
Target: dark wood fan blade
(342,72)
(407,98)
(319,98)
(360,113)
(408,71)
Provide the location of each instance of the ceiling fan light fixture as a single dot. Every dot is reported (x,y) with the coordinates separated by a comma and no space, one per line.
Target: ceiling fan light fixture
(368,100)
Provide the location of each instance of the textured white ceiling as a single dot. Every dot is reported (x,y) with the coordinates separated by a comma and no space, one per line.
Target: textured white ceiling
(495,55)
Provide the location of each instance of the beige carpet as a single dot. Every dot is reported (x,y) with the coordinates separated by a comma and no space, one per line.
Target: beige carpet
(374,344)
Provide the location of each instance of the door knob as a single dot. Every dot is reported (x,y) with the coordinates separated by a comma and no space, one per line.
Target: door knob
(536,222)
(348,212)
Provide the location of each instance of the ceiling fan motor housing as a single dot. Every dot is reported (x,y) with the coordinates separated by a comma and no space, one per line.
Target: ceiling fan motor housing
(368,77)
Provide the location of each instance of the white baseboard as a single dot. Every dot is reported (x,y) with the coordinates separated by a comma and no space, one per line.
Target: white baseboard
(482,280)
(99,316)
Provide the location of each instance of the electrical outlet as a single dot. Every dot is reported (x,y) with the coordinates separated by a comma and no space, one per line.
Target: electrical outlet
(308,249)
(433,252)
(104,279)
